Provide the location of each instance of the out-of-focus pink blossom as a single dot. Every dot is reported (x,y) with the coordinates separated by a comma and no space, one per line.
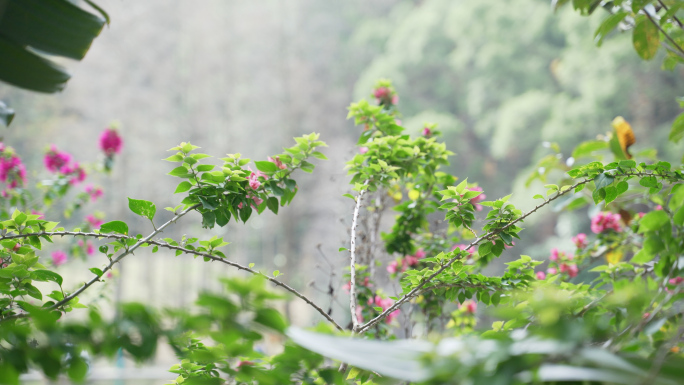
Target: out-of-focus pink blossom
(572,270)
(580,240)
(59,257)
(427,132)
(277,162)
(394,267)
(552,270)
(410,260)
(646,315)
(40,215)
(659,207)
(469,306)
(540,275)
(254,181)
(382,93)
(640,215)
(420,254)
(55,160)
(463,247)
(605,221)
(110,142)
(78,174)
(12,170)
(385,303)
(94,192)
(363,150)
(554,254)
(676,280)
(94,221)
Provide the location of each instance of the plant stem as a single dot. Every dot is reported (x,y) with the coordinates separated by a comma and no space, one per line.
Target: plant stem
(352,263)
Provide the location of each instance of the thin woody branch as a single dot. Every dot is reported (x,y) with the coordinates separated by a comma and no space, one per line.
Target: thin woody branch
(172,247)
(109,266)
(352,263)
(490,234)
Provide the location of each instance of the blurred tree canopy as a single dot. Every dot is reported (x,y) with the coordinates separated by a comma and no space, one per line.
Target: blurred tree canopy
(502,77)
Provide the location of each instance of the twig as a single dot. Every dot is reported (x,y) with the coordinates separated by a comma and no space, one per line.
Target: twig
(109,266)
(172,247)
(419,287)
(352,285)
(664,33)
(679,22)
(490,234)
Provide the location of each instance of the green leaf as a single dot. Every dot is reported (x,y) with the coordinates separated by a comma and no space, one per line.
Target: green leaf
(319,155)
(622,187)
(143,208)
(602,180)
(40,24)
(96,271)
(174,158)
(679,217)
(611,194)
(179,171)
(586,148)
(272,204)
(46,275)
(183,187)
(6,114)
(33,291)
(266,166)
(114,226)
(645,38)
(608,25)
(677,132)
(653,221)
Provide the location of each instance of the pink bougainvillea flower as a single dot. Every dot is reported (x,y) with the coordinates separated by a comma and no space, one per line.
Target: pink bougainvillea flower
(605,221)
(59,257)
(40,215)
(12,170)
(55,160)
(463,247)
(420,254)
(277,162)
(469,306)
(580,240)
(94,221)
(554,254)
(552,270)
(382,93)
(676,280)
(392,267)
(78,174)
(426,132)
(410,260)
(659,207)
(254,181)
(572,270)
(541,276)
(363,150)
(385,303)
(110,142)
(94,192)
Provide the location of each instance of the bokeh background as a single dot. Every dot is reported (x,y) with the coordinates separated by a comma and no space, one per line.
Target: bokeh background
(501,78)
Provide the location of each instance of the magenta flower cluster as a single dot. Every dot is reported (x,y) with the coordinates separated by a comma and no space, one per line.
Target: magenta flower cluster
(12,170)
(409,260)
(604,221)
(110,142)
(60,162)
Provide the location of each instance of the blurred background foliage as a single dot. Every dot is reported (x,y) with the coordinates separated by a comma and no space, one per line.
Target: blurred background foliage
(499,77)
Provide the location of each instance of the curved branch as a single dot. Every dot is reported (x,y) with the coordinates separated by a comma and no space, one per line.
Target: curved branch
(109,266)
(420,286)
(184,250)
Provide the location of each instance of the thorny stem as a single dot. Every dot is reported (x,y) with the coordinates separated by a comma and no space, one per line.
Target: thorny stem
(109,266)
(186,251)
(352,263)
(486,236)
(679,22)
